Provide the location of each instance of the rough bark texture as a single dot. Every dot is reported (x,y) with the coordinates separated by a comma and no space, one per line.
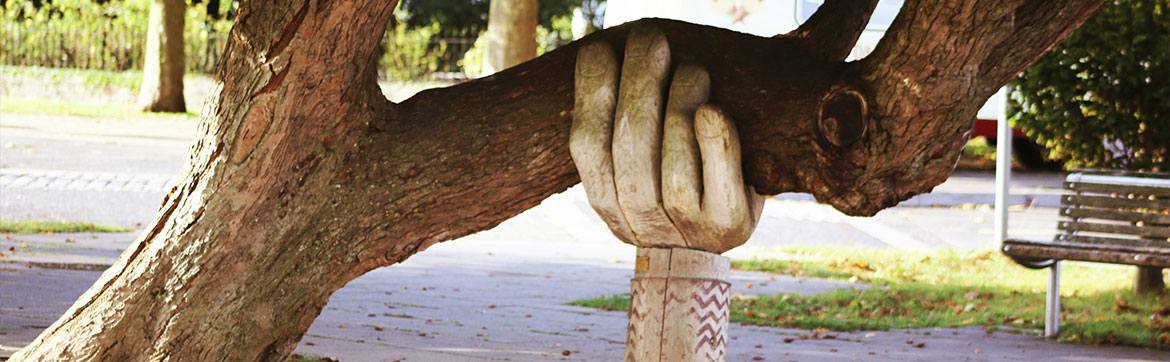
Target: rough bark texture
(305,176)
(162,75)
(511,34)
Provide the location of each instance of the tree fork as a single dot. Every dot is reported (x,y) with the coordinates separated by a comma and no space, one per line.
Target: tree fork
(305,176)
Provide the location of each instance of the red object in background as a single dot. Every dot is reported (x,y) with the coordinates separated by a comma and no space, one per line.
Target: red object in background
(987,128)
(1030,154)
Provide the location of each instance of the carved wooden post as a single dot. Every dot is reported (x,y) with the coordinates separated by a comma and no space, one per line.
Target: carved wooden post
(678,306)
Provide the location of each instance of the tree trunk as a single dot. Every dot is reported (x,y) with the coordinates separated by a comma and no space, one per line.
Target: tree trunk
(511,34)
(162,73)
(305,176)
(1148,280)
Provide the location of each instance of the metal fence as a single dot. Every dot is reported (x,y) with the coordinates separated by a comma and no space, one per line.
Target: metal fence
(399,59)
(102,49)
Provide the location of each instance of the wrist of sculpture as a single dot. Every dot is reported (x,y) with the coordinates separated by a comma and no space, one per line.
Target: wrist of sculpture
(678,306)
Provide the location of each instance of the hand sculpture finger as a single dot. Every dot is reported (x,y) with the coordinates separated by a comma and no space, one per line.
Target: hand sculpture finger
(702,184)
(590,142)
(682,184)
(731,209)
(637,140)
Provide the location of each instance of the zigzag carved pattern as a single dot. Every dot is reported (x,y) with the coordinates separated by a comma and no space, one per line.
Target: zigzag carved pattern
(709,312)
(643,333)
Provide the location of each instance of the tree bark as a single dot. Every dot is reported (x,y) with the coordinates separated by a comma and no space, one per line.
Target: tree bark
(511,34)
(162,73)
(305,176)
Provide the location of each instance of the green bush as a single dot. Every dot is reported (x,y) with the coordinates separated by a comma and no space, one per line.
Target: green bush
(1102,98)
(409,53)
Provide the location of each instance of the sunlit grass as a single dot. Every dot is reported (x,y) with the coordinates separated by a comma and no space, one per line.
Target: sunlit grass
(51,107)
(39,227)
(949,289)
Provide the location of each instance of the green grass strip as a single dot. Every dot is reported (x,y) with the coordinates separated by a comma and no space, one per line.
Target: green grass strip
(949,289)
(38,227)
(51,107)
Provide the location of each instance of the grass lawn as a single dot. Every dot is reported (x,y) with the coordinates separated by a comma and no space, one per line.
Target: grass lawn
(950,289)
(54,107)
(37,227)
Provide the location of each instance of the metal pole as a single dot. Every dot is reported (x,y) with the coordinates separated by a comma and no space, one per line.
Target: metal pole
(1003,169)
(1052,305)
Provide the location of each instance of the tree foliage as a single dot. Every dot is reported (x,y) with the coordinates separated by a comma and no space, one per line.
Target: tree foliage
(104,35)
(1102,98)
(469,17)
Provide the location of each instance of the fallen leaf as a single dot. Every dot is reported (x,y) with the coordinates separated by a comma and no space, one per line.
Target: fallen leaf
(909,341)
(1122,306)
(789,340)
(748,285)
(342,326)
(422,334)
(566,353)
(582,329)
(1164,338)
(920,345)
(971,295)
(977,351)
(758,358)
(491,306)
(23,245)
(759,346)
(377,328)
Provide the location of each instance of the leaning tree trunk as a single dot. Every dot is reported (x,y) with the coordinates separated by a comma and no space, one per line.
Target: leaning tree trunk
(162,73)
(511,34)
(305,176)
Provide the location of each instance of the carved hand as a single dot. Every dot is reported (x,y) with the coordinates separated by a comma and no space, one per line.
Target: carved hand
(658,180)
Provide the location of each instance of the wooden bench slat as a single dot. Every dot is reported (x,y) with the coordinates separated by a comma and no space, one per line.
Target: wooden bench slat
(1094,246)
(1132,243)
(1115,189)
(1107,214)
(1151,232)
(1113,202)
(1067,251)
(1116,172)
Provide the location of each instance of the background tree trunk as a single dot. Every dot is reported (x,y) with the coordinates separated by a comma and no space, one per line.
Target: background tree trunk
(162,73)
(511,34)
(305,177)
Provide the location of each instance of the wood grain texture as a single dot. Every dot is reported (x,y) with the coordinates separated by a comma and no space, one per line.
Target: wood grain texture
(678,306)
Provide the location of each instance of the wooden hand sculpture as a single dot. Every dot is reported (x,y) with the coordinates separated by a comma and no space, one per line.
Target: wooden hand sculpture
(668,180)
(658,183)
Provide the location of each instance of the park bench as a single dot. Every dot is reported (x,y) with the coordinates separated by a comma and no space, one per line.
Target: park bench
(1108,216)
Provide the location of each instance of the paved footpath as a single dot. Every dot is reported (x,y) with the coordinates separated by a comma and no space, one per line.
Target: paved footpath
(496,295)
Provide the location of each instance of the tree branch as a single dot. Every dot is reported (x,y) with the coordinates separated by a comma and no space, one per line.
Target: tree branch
(1039,26)
(833,29)
(919,90)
